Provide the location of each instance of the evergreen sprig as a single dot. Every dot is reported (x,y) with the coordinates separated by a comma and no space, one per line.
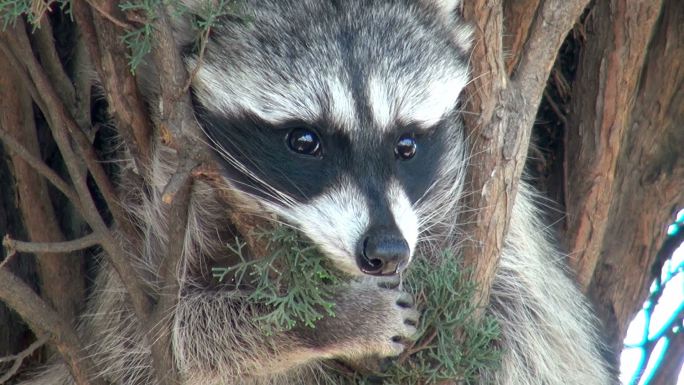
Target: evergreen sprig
(453,344)
(294,283)
(205,17)
(10,10)
(297,286)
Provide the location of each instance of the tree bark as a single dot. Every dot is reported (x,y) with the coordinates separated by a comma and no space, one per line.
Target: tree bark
(648,181)
(62,278)
(617,36)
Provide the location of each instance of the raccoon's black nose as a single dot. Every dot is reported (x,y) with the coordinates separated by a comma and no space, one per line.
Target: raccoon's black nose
(383,254)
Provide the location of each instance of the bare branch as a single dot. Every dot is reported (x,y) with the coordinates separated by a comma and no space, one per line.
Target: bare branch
(14,246)
(177,198)
(60,117)
(60,121)
(45,48)
(19,359)
(46,322)
(519,17)
(103,41)
(16,148)
(602,102)
(554,20)
(106,9)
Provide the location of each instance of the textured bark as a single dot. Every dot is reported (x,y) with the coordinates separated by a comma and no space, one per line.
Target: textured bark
(673,363)
(500,119)
(648,183)
(62,281)
(617,35)
(46,321)
(519,16)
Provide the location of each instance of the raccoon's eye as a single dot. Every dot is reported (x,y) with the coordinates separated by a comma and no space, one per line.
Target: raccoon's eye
(406,147)
(304,141)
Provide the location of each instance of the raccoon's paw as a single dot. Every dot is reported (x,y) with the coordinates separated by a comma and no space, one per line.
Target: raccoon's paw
(401,326)
(387,319)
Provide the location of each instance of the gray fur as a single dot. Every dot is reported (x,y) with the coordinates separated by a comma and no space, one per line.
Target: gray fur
(402,48)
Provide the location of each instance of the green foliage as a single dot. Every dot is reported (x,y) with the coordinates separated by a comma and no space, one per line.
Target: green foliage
(139,40)
(452,345)
(443,294)
(294,282)
(10,10)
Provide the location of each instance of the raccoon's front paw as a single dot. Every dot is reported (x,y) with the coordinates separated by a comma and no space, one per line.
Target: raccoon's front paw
(402,322)
(373,317)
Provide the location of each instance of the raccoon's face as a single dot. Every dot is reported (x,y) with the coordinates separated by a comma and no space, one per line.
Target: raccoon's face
(340,118)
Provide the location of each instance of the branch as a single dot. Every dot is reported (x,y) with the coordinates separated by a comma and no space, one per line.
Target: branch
(501,123)
(16,148)
(519,17)
(19,359)
(44,321)
(551,25)
(602,101)
(649,176)
(45,47)
(60,121)
(103,41)
(176,196)
(12,246)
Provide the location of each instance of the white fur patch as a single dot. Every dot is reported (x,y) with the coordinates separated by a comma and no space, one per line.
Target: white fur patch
(380,99)
(393,100)
(275,104)
(404,215)
(341,104)
(335,221)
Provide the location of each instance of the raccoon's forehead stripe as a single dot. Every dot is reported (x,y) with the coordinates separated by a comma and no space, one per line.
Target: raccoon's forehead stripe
(423,100)
(280,101)
(420,101)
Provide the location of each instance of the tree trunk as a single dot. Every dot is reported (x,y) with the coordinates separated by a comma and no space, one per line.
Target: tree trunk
(624,167)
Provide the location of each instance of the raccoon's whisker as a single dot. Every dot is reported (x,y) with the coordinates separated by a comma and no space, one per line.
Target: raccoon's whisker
(261,215)
(242,168)
(256,166)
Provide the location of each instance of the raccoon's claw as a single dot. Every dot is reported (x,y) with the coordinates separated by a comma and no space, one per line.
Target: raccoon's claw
(406,328)
(405,301)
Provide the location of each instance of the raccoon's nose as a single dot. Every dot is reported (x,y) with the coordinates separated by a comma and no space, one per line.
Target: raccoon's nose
(383,254)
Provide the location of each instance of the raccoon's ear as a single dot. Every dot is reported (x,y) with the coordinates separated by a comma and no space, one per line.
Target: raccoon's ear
(460,30)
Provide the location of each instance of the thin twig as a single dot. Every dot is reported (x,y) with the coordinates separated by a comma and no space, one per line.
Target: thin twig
(13,146)
(44,321)
(57,112)
(20,70)
(19,358)
(107,14)
(45,48)
(200,57)
(85,242)
(60,122)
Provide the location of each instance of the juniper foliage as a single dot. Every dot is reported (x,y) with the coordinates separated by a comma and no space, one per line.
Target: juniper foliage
(296,285)
(295,282)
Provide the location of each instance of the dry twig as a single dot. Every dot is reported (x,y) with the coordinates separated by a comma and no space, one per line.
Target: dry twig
(19,358)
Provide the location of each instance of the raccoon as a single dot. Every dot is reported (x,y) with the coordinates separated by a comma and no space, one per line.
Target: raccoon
(341,119)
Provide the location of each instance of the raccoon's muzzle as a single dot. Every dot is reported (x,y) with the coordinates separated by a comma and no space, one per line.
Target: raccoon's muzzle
(383,252)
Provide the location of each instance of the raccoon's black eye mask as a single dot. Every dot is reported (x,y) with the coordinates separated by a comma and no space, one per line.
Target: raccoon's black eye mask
(303,160)
(305,141)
